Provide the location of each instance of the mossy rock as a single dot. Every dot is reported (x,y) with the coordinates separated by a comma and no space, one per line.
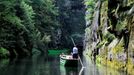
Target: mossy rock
(4,53)
(119,47)
(109,37)
(98,59)
(101,43)
(121,25)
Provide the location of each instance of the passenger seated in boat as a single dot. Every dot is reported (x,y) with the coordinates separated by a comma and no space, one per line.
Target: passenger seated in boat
(75,52)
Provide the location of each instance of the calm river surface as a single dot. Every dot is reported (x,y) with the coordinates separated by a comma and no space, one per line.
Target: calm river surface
(42,65)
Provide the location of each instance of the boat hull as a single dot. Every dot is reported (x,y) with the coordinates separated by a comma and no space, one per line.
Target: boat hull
(70,62)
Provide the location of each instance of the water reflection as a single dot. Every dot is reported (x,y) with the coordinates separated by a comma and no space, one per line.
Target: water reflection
(95,69)
(35,65)
(50,65)
(68,70)
(3,65)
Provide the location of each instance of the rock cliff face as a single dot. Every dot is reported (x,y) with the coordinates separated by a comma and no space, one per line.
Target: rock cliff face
(72,19)
(109,35)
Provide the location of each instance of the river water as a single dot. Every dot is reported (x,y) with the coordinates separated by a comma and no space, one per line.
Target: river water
(50,65)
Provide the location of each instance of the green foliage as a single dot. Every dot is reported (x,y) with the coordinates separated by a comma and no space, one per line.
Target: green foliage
(101,43)
(24,23)
(45,20)
(4,53)
(90,4)
(46,13)
(109,37)
(98,60)
(8,13)
(121,25)
(11,18)
(27,19)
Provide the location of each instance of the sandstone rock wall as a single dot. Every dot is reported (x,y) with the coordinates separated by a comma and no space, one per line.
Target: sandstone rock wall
(109,36)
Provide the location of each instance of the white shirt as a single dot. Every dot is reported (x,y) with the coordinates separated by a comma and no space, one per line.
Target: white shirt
(75,50)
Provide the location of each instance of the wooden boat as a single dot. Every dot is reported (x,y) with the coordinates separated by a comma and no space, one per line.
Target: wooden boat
(68,60)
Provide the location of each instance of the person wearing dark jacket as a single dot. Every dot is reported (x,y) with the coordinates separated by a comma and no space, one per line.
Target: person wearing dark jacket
(75,52)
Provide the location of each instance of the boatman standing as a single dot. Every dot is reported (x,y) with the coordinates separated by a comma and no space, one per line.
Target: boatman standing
(75,52)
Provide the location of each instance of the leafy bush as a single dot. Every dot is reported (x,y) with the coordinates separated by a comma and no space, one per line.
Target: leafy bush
(4,53)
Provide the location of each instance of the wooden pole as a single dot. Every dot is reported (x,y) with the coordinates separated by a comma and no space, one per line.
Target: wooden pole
(73,41)
(78,55)
(80,73)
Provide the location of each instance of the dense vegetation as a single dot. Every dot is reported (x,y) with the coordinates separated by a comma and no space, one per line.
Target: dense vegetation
(72,19)
(26,25)
(34,26)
